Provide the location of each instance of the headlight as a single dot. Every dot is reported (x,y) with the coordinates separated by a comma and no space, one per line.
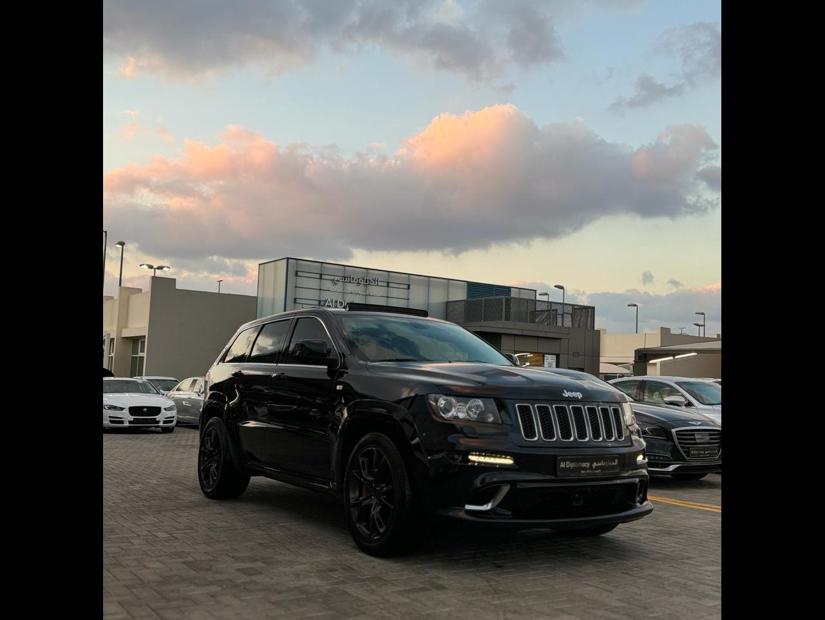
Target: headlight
(113,407)
(629,416)
(653,431)
(457,408)
(170,407)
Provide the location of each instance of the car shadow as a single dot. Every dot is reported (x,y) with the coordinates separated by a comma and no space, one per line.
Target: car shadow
(276,503)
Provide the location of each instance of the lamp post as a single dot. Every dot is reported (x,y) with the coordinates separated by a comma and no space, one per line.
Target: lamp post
(559,286)
(155,269)
(699,330)
(704,333)
(681,330)
(120,244)
(219,285)
(546,295)
(637,315)
(105,239)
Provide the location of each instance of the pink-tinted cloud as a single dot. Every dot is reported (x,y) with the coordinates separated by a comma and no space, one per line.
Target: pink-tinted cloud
(466,181)
(130,130)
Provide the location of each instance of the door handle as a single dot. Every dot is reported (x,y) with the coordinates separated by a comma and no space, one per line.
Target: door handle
(279,375)
(238,373)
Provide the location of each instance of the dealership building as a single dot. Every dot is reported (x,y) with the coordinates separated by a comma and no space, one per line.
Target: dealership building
(179,333)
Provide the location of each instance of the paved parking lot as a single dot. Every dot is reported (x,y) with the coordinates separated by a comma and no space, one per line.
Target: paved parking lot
(283,552)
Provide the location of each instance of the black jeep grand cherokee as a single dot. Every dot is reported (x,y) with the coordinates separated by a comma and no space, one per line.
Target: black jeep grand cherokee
(410,419)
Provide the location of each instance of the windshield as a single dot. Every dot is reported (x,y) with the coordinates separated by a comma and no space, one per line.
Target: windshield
(408,339)
(706,392)
(128,386)
(164,384)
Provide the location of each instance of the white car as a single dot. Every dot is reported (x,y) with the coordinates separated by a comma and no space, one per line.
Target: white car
(701,395)
(130,403)
(163,384)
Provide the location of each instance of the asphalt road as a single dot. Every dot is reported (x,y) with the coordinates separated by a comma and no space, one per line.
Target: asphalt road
(283,552)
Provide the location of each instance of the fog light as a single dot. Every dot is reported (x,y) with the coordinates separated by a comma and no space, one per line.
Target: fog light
(640,459)
(490,459)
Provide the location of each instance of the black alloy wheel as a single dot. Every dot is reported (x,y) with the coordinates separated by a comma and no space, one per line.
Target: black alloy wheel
(381,511)
(371,490)
(218,476)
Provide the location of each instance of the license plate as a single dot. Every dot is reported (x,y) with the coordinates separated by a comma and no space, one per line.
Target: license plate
(587,465)
(703,452)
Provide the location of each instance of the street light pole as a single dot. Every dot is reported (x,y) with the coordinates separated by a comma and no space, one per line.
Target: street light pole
(559,286)
(105,241)
(704,331)
(698,331)
(155,269)
(219,285)
(637,315)
(120,244)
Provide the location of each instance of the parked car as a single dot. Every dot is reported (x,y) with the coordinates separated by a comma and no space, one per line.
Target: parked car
(409,420)
(129,403)
(681,443)
(702,395)
(188,398)
(163,384)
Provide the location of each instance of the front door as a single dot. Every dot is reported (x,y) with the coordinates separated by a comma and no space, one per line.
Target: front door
(303,405)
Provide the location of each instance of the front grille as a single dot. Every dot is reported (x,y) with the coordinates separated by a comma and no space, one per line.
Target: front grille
(574,501)
(700,440)
(144,411)
(575,423)
(143,421)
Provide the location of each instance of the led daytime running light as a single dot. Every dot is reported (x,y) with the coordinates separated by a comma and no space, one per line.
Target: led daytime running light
(491,459)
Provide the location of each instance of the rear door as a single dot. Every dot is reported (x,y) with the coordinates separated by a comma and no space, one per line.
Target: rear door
(179,395)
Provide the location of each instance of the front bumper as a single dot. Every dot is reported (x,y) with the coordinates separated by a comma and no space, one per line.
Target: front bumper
(122,419)
(531,493)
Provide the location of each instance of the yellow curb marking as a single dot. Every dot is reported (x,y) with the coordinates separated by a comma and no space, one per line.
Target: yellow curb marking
(678,502)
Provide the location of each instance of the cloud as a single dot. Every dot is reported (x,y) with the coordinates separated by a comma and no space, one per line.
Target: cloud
(712,175)
(698,48)
(480,40)
(130,130)
(465,182)
(131,113)
(675,283)
(647,278)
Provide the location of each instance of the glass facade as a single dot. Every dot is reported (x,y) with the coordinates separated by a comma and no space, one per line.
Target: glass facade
(292,283)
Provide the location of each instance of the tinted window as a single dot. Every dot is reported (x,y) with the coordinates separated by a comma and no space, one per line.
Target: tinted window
(269,343)
(164,384)
(240,346)
(657,391)
(628,387)
(308,328)
(181,387)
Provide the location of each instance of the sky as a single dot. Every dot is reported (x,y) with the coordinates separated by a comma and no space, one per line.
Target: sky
(529,142)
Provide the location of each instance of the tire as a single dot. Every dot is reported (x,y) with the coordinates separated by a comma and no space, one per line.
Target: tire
(687,477)
(167,429)
(381,510)
(589,531)
(217,475)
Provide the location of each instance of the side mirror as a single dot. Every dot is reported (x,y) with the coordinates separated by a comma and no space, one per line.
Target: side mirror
(675,399)
(198,391)
(512,358)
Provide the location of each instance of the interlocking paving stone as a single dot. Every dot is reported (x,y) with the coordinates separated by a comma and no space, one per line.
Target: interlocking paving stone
(279,551)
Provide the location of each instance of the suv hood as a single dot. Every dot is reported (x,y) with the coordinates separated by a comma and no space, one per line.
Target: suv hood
(471,379)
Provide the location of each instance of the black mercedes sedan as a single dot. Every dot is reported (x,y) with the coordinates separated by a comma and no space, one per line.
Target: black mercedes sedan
(681,443)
